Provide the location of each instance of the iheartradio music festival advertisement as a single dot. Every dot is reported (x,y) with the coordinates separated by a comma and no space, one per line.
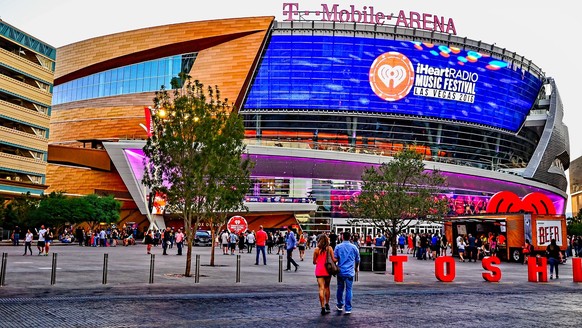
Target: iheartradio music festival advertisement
(321,72)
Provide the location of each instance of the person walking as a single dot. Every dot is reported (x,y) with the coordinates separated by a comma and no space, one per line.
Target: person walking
(261,241)
(166,240)
(149,240)
(241,242)
(179,238)
(301,246)
(40,243)
(290,245)
(444,245)
(48,237)
(461,248)
(80,235)
(332,239)
(232,242)
(251,239)
(527,251)
(348,259)
(28,242)
(280,244)
(471,248)
(270,242)
(224,237)
(16,238)
(102,238)
(323,277)
(554,257)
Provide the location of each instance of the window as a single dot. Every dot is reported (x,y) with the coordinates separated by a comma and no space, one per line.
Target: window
(141,77)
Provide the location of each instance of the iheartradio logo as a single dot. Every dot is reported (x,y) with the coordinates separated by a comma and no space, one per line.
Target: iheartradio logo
(391,76)
(508,202)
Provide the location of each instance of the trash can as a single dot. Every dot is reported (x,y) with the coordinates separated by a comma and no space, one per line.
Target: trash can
(379,258)
(366,258)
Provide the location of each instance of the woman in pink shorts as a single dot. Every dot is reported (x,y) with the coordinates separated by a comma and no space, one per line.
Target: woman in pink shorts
(323,277)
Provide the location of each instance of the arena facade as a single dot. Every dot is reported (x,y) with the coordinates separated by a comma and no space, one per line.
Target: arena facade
(321,100)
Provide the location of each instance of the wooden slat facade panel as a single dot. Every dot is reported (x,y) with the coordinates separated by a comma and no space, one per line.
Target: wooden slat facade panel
(119,122)
(79,181)
(228,65)
(92,51)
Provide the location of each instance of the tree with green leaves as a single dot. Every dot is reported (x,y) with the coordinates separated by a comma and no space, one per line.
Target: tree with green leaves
(195,156)
(52,210)
(100,209)
(575,225)
(56,210)
(16,212)
(396,193)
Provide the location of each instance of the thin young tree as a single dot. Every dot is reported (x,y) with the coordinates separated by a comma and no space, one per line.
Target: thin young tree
(195,155)
(398,192)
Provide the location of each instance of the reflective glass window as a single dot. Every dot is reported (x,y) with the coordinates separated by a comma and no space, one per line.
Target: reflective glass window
(141,77)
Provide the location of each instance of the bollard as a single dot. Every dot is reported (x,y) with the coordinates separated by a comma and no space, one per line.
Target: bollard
(152,262)
(280,268)
(197,269)
(3,269)
(238,268)
(356,277)
(105,264)
(54,270)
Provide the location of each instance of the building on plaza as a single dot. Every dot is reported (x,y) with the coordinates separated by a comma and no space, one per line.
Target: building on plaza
(576,185)
(26,84)
(320,101)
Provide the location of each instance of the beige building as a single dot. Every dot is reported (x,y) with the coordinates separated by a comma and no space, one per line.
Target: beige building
(26,82)
(576,185)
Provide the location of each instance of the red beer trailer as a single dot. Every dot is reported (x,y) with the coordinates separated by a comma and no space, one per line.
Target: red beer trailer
(515,229)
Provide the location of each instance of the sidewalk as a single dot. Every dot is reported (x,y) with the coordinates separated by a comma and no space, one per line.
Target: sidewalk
(80,269)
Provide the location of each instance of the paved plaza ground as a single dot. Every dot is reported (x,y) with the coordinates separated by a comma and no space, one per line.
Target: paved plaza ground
(79,299)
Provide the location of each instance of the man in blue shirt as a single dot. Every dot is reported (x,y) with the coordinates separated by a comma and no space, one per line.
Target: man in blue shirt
(379,242)
(401,242)
(471,249)
(290,245)
(348,259)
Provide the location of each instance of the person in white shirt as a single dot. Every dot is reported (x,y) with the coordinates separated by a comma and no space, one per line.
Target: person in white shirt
(250,242)
(28,242)
(224,239)
(40,243)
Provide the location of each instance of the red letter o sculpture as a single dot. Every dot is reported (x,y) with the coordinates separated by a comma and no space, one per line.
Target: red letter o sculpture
(442,264)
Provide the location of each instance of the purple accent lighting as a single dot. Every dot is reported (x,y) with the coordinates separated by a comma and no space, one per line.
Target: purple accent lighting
(310,168)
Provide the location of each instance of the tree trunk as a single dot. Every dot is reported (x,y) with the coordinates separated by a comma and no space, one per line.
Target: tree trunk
(189,238)
(393,245)
(212,236)
(188,258)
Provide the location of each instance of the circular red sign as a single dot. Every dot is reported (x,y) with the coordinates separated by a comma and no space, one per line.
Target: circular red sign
(237,224)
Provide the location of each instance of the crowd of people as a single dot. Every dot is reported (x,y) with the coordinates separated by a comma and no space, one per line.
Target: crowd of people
(167,238)
(244,242)
(45,236)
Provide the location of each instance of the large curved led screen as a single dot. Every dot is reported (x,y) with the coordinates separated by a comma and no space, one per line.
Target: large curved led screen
(388,76)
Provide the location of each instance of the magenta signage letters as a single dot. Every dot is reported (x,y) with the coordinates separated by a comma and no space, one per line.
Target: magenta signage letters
(369,15)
